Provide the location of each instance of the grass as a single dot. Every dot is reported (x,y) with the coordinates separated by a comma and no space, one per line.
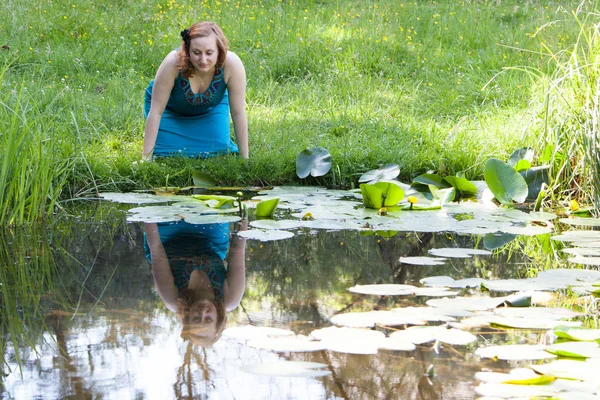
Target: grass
(373,82)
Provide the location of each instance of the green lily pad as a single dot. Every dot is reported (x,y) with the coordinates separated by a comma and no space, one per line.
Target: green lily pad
(493,241)
(581,221)
(517,376)
(575,349)
(525,153)
(506,184)
(349,340)
(570,369)
(137,198)
(446,281)
(528,323)
(248,332)
(293,344)
(387,171)
(314,161)
(423,260)
(536,178)
(432,180)
(203,180)
(462,185)
(276,224)
(371,318)
(425,334)
(266,208)
(210,219)
(384,289)
(579,334)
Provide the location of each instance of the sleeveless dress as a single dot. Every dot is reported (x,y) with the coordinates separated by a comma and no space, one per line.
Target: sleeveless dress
(194,124)
(189,247)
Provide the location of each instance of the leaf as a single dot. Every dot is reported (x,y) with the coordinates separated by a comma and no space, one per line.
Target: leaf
(523,154)
(387,171)
(221,201)
(462,185)
(432,179)
(505,183)
(315,161)
(535,177)
(493,241)
(203,180)
(392,193)
(522,165)
(372,196)
(445,196)
(266,208)
(574,333)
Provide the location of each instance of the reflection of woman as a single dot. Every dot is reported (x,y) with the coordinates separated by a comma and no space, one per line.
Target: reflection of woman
(199,274)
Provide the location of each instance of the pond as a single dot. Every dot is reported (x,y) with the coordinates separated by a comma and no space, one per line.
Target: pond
(366,306)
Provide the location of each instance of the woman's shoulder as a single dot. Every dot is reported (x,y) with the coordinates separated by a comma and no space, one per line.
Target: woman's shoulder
(233,60)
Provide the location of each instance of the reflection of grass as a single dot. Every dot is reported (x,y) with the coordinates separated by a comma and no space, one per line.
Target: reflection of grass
(372,82)
(27,276)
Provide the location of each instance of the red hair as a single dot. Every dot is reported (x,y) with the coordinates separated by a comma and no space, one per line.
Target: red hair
(201,29)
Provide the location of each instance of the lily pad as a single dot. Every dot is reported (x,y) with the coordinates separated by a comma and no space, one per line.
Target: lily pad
(446,281)
(578,221)
(424,334)
(136,198)
(315,161)
(575,349)
(287,344)
(423,260)
(266,208)
(371,318)
(384,289)
(579,334)
(506,184)
(524,153)
(288,369)
(203,180)
(210,219)
(515,352)
(249,332)
(517,376)
(276,224)
(266,235)
(570,369)
(456,252)
(387,171)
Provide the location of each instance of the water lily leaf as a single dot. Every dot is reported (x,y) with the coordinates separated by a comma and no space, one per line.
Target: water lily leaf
(288,369)
(266,208)
(422,260)
(266,235)
(248,332)
(493,241)
(138,198)
(557,390)
(585,260)
(432,179)
(445,196)
(446,281)
(349,340)
(506,184)
(203,180)
(384,289)
(570,369)
(210,219)
(387,171)
(315,161)
(462,185)
(524,153)
(215,201)
(276,224)
(372,196)
(287,344)
(371,318)
(535,178)
(537,312)
(467,303)
(578,237)
(575,349)
(396,344)
(515,352)
(581,221)
(424,334)
(579,334)
(517,376)
(527,323)
(456,252)
(391,192)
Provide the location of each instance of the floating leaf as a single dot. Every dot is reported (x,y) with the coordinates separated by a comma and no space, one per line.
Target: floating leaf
(387,171)
(288,369)
(372,196)
(432,179)
(384,289)
(424,334)
(315,161)
(506,184)
(446,281)
(219,201)
(266,235)
(535,178)
(581,221)
(287,344)
(422,260)
(137,198)
(203,180)
(570,369)
(456,252)
(575,349)
(515,352)
(266,208)
(248,332)
(517,376)
(276,224)
(580,334)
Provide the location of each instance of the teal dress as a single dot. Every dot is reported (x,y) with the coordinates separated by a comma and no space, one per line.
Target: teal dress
(192,247)
(194,124)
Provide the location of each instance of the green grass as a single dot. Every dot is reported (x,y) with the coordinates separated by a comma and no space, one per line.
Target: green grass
(373,82)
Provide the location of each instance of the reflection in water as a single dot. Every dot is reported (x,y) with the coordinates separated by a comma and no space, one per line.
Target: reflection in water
(188,266)
(121,338)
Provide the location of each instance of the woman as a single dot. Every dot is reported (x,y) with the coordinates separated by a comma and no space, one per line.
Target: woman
(196,88)
(199,274)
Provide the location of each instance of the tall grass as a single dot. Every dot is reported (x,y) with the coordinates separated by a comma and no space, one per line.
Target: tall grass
(570,114)
(32,173)
(373,82)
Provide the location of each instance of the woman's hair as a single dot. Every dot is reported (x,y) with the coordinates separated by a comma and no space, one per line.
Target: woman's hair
(200,29)
(186,298)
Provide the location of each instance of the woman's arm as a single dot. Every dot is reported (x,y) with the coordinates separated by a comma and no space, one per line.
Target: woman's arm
(235,284)
(161,270)
(163,84)
(236,86)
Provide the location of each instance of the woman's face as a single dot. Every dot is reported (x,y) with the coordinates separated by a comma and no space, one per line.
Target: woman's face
(204,53)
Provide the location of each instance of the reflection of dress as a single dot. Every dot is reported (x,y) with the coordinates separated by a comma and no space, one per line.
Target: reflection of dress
(189,247)
(194,124)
